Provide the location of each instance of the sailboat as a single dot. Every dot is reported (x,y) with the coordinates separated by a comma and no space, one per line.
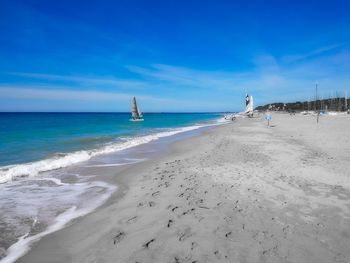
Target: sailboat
(249,110)
(249,105)
(136,115)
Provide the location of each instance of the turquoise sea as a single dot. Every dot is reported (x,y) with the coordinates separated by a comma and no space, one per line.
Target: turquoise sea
(28,137)
(52,164)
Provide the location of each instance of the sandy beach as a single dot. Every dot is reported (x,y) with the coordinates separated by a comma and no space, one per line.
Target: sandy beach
(241,192)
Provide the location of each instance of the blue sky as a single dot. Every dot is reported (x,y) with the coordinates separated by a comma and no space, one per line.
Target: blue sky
(173,55)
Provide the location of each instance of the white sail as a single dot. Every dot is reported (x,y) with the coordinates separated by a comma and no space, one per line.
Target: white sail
(249,107)
(248,112)
(251,104)
(139,112)
(135,112)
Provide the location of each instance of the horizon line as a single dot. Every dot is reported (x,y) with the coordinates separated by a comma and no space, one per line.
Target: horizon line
(126,112)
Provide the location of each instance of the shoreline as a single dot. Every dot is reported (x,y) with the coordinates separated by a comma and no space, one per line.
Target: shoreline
(122,179)
(241,192)
(109,178)
(11,172)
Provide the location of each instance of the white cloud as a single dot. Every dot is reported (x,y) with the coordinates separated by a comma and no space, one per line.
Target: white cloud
(56,93)
(166,87)
(51,93)
(316,52)
(121,83)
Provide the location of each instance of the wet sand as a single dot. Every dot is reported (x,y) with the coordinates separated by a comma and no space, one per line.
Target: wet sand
(242,192)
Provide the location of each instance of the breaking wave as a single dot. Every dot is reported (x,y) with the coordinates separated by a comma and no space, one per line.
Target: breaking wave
(13,172)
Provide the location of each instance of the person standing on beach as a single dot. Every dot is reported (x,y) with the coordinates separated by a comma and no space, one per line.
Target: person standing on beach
(268,117)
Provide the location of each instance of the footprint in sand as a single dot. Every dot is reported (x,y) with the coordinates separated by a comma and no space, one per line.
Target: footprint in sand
(118,237)
(217,254)
(132,220)
(178,259)
(194,245)
(170,222)
(156,193)
(148,243)
(270,250)
(188,211)
(228,234)
(173,209)
(185,234)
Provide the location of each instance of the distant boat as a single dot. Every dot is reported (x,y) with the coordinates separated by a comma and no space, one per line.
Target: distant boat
(249,105)
(248,112)
(136,115)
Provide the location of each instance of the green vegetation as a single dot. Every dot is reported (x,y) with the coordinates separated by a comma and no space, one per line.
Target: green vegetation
(331,104)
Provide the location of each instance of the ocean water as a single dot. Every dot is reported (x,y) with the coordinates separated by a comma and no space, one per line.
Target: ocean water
(27,137)
(61,139)
(46,160)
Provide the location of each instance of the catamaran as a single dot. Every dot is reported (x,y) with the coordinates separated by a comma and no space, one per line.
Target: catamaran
(249,105)
(249,110)
(136,115)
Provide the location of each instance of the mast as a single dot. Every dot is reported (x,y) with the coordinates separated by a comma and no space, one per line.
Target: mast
(315,104)
(318,111)
(346,101)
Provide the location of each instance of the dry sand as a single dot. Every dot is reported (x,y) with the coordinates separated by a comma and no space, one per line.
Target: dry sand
(243,192)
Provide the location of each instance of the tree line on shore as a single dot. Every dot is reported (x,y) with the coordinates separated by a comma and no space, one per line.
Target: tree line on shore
(330,104)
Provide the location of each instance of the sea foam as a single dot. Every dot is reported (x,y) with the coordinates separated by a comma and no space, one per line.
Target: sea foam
(23,244)
(13,172)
